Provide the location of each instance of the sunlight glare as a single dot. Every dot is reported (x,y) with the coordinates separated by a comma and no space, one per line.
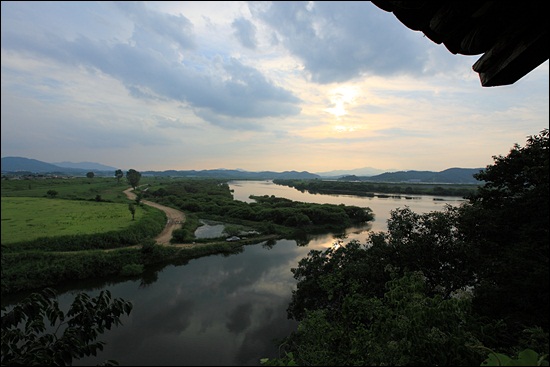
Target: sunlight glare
(340,97)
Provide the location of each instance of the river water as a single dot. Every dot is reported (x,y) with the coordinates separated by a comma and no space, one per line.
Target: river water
(223,310)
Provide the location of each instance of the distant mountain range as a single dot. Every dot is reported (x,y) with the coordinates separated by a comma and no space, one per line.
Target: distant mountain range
(85,166)
(365,171)
(18,165)
(451,175)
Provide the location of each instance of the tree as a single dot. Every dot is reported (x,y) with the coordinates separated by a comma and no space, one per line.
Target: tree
(508,221)
(90,174)
(403,327)
(118,174)
(133,177)
(27,342)
(52,193)
(132,209)
(139,197)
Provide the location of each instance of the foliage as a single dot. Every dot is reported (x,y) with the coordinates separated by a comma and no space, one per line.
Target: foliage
(286,360)
(406,326)
(51,193)
(232,230)
(508,223)
(132,209)
(139,197)
(527,357)
(37,332)
(90,174)
(118,174)
(133,177)
(371,189)
(131,269)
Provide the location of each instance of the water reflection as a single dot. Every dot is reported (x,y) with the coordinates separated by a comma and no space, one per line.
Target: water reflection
(213,311)
(209,229)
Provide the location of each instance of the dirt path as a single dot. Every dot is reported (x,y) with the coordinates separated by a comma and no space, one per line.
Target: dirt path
(174,217)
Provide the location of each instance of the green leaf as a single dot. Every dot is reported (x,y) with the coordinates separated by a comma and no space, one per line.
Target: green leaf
(496,359)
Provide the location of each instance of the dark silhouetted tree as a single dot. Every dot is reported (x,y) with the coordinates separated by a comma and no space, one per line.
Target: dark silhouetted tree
(118,174)
(26,340)
(132,209)
(133,177)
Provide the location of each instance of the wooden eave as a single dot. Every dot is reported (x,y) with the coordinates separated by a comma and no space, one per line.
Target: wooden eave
(511,36)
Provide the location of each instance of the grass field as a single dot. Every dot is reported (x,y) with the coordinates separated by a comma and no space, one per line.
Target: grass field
(25,218)
(67,188)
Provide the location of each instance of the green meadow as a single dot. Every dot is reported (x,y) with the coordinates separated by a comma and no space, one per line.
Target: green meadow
(28,218)
(76,188)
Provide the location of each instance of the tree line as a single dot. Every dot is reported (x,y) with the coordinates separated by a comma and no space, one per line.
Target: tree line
(369,189)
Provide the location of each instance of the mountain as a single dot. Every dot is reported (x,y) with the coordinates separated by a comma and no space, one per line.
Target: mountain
(365,171)
(451,175)
(234,174)
(90,166)
(21,164)
(18,164)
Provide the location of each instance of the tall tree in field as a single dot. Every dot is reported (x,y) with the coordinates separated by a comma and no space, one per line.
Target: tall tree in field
(118,174)
(133,177)
(90,174)
(132,209)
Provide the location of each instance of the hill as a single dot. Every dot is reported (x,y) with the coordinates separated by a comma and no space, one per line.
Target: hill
(89,166)
(234,174)
(20,164)
(364,171)
(451,175)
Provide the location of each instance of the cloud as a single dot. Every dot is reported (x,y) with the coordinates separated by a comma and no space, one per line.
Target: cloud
(340,41)
(150,67)
(245,32)
(151,28)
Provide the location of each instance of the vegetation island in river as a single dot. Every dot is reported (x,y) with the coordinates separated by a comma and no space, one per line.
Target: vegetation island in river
(378,189)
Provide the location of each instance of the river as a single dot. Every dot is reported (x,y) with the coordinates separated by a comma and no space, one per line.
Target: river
(223,310)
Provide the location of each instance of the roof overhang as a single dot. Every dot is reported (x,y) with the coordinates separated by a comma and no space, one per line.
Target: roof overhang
(512,36)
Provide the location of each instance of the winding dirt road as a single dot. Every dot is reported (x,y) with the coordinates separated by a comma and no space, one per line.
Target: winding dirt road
(174,217)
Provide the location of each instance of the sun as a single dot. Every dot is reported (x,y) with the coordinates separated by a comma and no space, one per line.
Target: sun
(340,97)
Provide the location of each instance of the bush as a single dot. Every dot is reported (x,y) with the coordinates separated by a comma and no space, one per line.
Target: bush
(132,269)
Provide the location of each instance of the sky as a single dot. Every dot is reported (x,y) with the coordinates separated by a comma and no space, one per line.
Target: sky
(278,86)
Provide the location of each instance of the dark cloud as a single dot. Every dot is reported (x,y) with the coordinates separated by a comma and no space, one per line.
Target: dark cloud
(245,32)
(177,29)
(150,68)
(339,41)
(239,320)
